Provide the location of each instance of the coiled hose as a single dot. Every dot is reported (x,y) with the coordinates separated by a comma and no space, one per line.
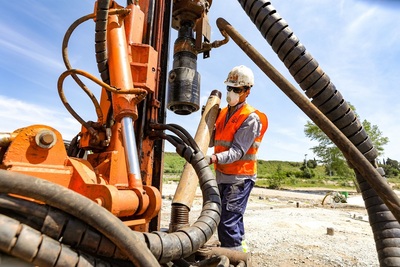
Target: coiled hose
(318,87)
(142,249)
(308,74)
(78,206)
(101,39)
(42,250)
(52,224)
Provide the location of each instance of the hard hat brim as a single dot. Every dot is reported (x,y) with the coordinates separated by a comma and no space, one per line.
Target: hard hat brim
(232,84)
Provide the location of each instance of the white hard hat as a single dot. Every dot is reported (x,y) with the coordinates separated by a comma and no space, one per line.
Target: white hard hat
(240,76)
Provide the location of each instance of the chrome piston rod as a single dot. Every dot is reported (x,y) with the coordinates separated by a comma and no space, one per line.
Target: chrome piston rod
(132,159)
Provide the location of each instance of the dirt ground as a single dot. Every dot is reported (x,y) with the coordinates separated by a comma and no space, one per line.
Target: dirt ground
(292,228)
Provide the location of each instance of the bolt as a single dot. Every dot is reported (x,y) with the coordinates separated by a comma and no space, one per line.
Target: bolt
(99,201)
(46,138)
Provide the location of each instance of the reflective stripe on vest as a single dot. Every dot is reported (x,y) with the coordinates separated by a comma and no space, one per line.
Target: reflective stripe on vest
(224,135)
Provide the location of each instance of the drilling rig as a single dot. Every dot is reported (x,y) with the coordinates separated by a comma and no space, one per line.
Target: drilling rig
(95,200)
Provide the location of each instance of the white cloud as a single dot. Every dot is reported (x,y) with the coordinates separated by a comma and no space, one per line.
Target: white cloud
(18,45)
(15,114)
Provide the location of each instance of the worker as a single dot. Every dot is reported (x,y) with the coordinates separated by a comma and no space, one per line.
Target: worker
(239,129)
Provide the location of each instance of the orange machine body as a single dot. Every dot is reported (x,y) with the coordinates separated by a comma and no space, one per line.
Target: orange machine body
(102,175)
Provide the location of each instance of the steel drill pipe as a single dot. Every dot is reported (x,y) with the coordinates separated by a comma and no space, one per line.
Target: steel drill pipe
(351,153)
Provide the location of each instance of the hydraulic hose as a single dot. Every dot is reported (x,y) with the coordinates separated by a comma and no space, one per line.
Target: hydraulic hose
(57,225)
(30,245)
(317,85)
(384,225)
(307,73)
(187,240)
(101,39)
(130,243)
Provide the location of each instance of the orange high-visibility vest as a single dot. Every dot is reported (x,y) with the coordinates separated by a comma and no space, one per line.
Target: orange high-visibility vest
(224,134)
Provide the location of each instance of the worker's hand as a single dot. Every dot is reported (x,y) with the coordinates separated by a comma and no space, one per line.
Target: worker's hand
(211,159)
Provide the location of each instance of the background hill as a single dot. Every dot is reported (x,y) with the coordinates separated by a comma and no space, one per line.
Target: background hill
(274,174)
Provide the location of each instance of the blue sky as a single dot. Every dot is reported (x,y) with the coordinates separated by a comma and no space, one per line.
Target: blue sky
(357,43)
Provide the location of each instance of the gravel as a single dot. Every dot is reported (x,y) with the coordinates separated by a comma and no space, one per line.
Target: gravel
(292,228)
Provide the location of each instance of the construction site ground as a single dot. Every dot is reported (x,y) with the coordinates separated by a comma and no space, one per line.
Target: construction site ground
(292,228)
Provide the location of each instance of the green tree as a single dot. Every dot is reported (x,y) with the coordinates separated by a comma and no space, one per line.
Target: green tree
(312,163)
(277,178)
(376,136)
(391,167)
(307,167)
(330,155)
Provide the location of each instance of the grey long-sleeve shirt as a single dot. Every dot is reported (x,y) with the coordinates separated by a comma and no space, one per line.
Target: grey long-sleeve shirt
(242,141)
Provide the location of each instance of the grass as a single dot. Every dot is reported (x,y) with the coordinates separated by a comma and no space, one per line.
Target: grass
(272,174)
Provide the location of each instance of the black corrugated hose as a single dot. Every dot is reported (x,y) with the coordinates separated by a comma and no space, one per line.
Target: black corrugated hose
(81,207)
(101,39)
(318,87)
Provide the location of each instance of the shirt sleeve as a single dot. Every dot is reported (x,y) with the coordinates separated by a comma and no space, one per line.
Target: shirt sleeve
(242,140)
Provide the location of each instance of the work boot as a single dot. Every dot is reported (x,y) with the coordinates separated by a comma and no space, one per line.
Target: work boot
(245,248)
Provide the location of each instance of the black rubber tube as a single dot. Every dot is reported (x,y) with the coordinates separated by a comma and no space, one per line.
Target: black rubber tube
(22,241)
(300,63)
(188,240)
(59,225)
(79,206)
(101,49)
(101,39)
(385,227)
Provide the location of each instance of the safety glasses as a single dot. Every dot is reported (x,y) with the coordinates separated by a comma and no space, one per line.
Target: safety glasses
(236,90)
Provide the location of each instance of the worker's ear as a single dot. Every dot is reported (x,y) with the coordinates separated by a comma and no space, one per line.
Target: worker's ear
(247,92)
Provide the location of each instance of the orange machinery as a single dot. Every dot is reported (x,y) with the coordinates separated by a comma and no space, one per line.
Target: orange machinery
(122,165)
(116,161)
